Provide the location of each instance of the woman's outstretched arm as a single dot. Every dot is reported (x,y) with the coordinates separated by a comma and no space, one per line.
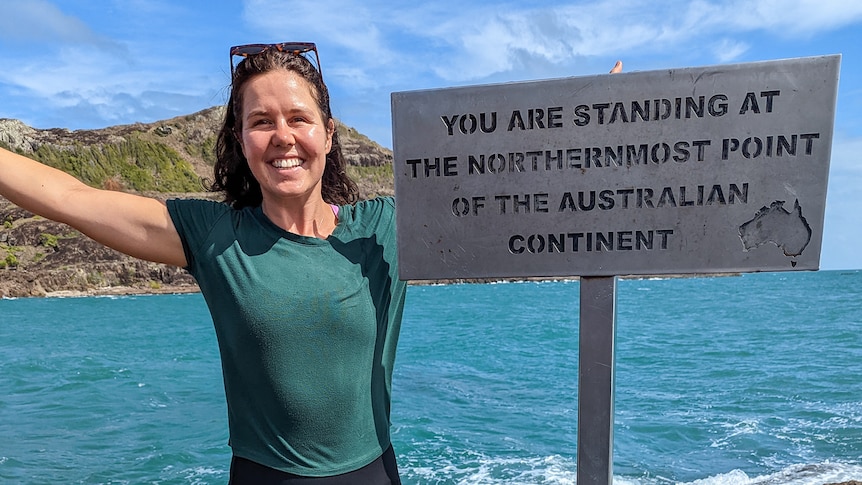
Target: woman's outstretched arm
(135,225)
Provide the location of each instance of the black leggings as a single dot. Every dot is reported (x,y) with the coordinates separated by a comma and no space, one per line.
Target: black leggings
(382,471)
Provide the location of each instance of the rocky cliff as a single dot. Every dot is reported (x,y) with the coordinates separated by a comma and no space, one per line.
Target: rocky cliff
(170,158)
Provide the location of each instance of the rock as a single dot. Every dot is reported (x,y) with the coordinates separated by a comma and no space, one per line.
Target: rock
(17,135)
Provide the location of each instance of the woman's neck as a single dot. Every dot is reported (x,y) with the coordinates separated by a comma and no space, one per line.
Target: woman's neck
(314,218)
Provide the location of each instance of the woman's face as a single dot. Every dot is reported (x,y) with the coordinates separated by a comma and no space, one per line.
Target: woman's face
(284,137)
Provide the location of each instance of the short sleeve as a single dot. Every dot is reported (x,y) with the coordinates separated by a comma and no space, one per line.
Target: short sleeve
(194,220)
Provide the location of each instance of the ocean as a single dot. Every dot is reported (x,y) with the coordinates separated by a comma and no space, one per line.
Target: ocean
(751,379)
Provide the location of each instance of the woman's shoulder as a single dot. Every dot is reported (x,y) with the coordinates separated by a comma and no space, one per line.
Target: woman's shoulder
(378,206)
(383,200)
(199,213)
(197,205)
(371,215)
(199,202)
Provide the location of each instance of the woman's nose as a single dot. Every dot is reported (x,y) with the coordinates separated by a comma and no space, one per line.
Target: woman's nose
(283,135)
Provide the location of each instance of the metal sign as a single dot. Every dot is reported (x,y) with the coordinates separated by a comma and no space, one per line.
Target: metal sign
(697,170)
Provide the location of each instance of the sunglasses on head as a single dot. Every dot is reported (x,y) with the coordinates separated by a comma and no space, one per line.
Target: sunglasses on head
(295,48)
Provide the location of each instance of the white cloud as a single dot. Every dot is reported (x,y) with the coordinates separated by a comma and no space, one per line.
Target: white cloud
(85,72)
(727,50)
(43,22)
(45,79)
(353,26)
(785,17)
(93,88)
(110,64)
(475,41)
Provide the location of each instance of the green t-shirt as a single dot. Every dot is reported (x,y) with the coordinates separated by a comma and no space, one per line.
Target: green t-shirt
(307,330)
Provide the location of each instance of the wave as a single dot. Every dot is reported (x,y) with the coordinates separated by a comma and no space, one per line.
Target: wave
(557,470)
(812,474)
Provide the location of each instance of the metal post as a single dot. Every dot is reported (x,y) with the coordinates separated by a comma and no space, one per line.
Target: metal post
(596,380)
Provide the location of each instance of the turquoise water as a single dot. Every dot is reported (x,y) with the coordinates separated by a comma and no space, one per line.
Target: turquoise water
(755,379)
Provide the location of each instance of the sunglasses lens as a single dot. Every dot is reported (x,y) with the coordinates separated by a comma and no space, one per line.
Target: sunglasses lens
(247,50)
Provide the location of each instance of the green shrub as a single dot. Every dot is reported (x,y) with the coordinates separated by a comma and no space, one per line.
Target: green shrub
(48,240)
(379,174)
(142,165)
(96,279)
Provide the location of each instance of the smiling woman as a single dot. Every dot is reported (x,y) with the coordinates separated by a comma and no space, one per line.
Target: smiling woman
(291,76)
(300,279)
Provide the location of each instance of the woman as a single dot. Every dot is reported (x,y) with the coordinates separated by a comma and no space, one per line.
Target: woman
(301,282)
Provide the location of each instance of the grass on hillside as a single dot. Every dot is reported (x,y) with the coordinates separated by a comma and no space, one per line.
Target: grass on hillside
(133,164)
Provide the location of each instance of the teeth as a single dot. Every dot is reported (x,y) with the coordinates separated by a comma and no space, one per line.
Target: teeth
(286,163)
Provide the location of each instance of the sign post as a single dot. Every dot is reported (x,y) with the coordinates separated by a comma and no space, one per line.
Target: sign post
(709,170)
(596,365)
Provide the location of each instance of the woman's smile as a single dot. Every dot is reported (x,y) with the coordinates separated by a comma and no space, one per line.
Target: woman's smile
(286,163)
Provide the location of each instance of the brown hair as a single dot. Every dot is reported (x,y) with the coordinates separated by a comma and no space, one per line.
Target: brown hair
(232,174)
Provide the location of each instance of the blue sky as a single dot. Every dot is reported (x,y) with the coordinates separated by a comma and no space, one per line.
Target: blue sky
(90,64)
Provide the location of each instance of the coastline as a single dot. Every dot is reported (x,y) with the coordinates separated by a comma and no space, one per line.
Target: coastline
(122,291)
(125,290)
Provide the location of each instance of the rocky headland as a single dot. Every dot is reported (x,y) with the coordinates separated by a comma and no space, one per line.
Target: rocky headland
(170,158)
